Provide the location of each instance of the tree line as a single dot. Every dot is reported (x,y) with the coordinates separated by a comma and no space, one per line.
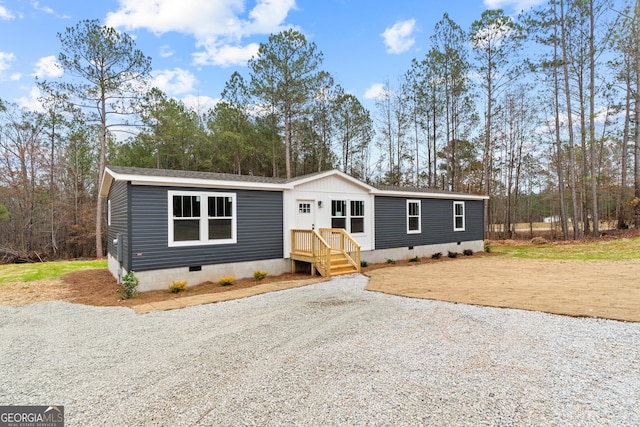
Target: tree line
(538,111)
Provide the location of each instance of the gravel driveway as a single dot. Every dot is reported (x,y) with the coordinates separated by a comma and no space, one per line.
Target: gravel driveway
(325,354)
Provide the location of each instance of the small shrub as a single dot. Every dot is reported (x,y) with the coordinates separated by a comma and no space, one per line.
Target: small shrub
(467,252)
(177,286)
(363,263)
(414,259)
(452,254)
(226,281)
(259,275)
(487,247)
(437,255)
(130,285)
(391,261)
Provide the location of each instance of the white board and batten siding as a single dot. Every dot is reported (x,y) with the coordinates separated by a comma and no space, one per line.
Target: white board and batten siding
(317,195)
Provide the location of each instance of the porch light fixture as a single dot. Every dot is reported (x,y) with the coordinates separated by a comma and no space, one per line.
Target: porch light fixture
(319,203)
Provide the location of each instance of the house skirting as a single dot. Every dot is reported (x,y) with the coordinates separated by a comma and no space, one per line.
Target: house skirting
(405,252)
(161,279)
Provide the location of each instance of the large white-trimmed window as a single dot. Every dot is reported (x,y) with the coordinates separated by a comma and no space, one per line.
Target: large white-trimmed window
(201,218)
(357,216)
(414,222)
(458,216)
(348,214)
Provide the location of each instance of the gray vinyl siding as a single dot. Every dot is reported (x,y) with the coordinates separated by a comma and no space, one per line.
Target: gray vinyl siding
(259,230)
(436,222)
(119,199)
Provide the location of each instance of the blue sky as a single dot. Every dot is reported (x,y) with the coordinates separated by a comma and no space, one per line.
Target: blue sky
(196,45)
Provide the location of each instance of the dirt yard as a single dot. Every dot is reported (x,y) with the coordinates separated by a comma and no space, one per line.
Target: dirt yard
(577,288)
(602,289)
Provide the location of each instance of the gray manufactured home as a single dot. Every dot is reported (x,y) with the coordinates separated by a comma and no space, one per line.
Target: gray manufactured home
(198,226)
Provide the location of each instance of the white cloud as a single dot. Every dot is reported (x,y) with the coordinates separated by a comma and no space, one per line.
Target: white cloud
(45,9)
(200,104)
(399,38)
(15,77)
(218,26)
(5,60)
(166,51)
(31,102)
(375,91)
(47,67)
(225,55)
(174,82)
(6,14)
(516,5)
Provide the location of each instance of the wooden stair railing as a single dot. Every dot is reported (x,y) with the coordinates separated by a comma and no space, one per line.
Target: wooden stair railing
(330,252)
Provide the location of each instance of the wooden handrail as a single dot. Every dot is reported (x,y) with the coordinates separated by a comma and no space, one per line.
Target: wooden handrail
(339,238)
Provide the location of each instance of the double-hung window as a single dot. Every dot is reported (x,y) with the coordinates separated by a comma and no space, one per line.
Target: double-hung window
(357,216)
(220,210)
(339,214)
(413,217)
(352,219)
(201,218)
(458,216)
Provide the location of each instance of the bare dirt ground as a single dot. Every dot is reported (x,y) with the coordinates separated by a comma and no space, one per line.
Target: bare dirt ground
(605,289)
(99,287)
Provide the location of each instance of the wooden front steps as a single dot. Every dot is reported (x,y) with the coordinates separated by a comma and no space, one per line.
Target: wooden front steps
(331,251)
(340,264)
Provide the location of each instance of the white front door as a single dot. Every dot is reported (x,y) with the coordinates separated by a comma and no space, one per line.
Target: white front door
(305,214)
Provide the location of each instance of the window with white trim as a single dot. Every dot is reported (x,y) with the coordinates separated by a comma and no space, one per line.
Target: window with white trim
(109,212)
(458,216)
(357,216)
(339,214)
(414,222)
(201,218)
(352,219)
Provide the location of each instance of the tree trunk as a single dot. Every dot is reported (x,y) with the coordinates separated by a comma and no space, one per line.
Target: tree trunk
(572,156)
(636,16)
(560,157)
(101,166)
(592,130)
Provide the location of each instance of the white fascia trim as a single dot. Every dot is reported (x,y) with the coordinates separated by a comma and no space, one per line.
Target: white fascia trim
(199,183)
(426,195)
(332,172)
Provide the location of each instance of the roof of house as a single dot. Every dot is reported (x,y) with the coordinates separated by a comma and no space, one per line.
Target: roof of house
(226,180)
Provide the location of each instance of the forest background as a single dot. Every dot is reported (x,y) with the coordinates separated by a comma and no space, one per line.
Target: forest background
(538,111)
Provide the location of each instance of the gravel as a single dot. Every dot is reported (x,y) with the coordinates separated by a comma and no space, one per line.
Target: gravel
(325,354)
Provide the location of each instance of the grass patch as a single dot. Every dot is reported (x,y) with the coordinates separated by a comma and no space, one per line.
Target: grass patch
(610,250)
(10,273)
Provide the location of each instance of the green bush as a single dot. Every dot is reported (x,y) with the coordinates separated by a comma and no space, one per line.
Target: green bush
(452,254)
(259,275)
(487,247)
(391,261)
(363,263)
(437,255)
(226,281)
(415,259)
(177,286)
(467,252)
(130,285)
